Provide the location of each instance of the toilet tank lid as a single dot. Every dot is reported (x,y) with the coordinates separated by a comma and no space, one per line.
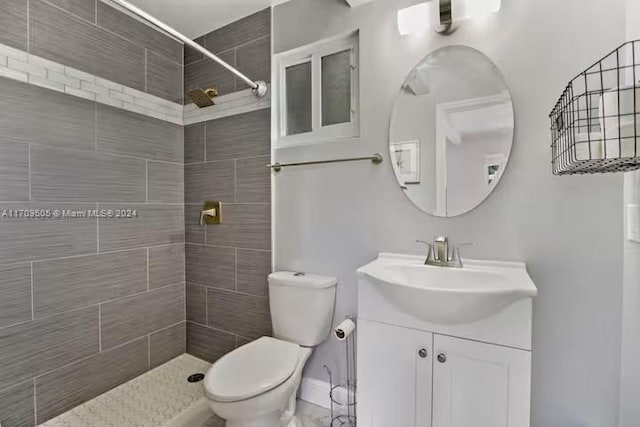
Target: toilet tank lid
(299,279)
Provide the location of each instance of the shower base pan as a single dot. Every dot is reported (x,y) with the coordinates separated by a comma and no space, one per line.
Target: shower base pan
(160,398)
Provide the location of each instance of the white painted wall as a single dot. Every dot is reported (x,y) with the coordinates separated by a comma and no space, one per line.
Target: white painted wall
(333,218)
(194,18)
(630,368)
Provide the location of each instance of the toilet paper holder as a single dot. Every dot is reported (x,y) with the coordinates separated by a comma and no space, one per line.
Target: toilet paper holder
(343,394)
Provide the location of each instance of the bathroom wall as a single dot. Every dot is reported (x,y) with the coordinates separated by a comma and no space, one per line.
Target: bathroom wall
(333,218)
(244,44)
(630,371)
(93,37)
(225,159)
(86,303)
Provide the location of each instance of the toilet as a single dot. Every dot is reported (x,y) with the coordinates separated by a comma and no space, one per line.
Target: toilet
(256,384)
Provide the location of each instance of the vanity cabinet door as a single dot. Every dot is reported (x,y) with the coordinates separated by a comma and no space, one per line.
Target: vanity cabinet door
(480,385)
(394,376)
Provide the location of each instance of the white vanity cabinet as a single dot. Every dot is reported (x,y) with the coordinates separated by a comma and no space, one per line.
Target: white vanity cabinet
(479,385)
(412,378)
(461,371)
(395,379)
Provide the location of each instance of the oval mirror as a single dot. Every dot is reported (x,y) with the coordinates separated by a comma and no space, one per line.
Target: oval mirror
(451,131)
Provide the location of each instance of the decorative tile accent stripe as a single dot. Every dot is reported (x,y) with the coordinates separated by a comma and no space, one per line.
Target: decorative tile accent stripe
(227,105)
(19,65)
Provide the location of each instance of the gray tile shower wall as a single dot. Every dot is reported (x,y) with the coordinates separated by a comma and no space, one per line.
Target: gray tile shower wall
(245,44)
(93,37)
(86,303)
(227,264)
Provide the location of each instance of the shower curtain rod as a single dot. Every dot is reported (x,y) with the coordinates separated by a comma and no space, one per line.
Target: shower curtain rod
(259,87)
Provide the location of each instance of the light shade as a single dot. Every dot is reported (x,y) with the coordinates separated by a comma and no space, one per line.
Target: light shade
(423,16)
(470,9)
(417,18)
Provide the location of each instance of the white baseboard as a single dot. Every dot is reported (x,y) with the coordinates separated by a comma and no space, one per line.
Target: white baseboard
(317,392)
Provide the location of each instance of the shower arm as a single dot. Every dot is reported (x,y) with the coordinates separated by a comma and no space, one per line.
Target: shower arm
(259,87)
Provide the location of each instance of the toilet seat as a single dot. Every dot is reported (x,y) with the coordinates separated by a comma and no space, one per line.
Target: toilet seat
(251,370)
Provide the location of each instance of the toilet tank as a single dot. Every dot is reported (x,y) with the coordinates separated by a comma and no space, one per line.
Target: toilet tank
(301,306)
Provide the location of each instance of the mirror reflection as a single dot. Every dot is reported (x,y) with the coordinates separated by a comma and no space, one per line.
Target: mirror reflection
(451,131)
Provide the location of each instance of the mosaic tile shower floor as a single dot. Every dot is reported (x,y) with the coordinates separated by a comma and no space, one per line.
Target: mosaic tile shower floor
(160,398)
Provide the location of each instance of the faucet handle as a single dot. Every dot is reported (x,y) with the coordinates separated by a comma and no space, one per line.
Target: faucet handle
(456,253)
(429,251)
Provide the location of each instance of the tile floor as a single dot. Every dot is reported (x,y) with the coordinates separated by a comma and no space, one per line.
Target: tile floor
(156,398)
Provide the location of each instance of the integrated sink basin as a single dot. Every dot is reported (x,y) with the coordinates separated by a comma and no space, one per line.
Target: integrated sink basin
(445,295)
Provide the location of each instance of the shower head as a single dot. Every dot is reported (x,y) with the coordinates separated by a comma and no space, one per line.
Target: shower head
(204,97)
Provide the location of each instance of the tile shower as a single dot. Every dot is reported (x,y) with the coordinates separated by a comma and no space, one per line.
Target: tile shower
(88,304)
(227,265)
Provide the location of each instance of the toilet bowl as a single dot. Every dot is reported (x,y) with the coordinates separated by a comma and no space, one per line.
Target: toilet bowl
(256,384)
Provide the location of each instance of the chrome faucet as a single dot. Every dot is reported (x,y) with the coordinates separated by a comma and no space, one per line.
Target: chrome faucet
(440,255)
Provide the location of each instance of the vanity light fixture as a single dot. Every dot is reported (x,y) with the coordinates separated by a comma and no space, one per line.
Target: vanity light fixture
(443,15)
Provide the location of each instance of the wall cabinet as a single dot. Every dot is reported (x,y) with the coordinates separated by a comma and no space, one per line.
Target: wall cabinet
(415,378)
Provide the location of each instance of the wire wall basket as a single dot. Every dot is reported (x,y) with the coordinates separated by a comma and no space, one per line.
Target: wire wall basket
(595,125)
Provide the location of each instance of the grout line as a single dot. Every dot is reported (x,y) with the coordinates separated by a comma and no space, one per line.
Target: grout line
(227,290)
(147,250)
(204,140)
(29,167)
(235,180)
(96,13)
(106,153)
(182,82)
(156,331)
(97,232)
(85,307)
(28,26)
(95,124)
(233,204)
(146,181)
(35,402)
(206,305)
(212,327)
(210,245)
(226,51)
(227,160)
(146,65)
(106,351)
(82,359)
(32,297)
(245,338)
(182,282)
(184,313)
(96,25)
(92,254)
(149,351)
(235,270)
(100,328)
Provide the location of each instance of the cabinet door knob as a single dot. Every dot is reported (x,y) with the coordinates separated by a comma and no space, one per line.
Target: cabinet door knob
(442,358)
(422,353)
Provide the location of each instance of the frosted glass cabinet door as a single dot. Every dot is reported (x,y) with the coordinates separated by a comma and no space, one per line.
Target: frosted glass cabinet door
(394,376)
(480,385)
